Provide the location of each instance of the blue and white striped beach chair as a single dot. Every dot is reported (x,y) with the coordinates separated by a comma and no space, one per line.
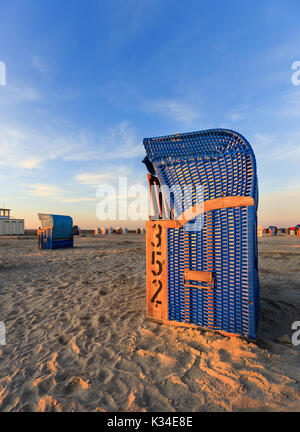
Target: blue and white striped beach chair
(202,266)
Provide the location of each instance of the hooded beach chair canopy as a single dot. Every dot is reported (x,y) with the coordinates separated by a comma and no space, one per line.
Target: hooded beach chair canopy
(225,248)
(62,226)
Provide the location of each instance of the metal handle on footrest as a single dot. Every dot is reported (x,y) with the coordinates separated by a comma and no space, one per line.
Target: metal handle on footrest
(198,276)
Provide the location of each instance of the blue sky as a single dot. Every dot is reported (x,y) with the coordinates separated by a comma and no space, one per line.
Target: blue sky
(86,81)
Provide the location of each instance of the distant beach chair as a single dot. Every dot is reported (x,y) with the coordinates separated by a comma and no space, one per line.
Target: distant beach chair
(56,231)
(273,230)
(76,230)
(202,264)
(259,231)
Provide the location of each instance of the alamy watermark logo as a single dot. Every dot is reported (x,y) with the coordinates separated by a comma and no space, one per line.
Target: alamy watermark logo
(184,203)
(296,75)
(296,335)
(2,73)
(2,333)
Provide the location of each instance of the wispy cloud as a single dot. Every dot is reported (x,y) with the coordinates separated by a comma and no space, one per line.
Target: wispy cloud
(12,94)
(92,180)
(95,179)
(14,149)
(263,143)
(44,190)
(289,152)
(286,107)
(77,199)
(238,114)
(180,112)
(39,63)
(263,139)
(291,105)
(29,149)
(118,142)
(278,147)
(55,192)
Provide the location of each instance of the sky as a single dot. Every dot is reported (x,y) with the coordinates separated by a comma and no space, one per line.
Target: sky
(86,81)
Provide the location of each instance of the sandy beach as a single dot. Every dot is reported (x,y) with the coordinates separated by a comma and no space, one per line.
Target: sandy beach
(78,340)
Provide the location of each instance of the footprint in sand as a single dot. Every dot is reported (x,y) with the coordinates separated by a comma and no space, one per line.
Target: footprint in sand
(49,404)
(64,339)
(76,384)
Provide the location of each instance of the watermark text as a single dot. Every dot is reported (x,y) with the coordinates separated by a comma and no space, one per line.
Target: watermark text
(296,335)
(296,75)
(181,202)
(2,333)
(2,73)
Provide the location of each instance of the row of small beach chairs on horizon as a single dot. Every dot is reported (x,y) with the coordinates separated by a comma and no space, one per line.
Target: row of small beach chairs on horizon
(274,231)
(118,230)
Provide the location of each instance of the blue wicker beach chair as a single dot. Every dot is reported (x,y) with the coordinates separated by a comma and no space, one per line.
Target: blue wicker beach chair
(202,267)
(56,231)
(273,230)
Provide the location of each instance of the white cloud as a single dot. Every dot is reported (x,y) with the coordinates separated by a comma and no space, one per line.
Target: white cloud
(278,148)
(171,108)
(44,190)
(289,107)
(56,192)
(17,94)
(124,140)
(77,199)
(32,162)
(263,139)
(39,63)
(263,143)
(95,179)
(238,114)
(290,152)
(92,180)
(28,149)
(119,142)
